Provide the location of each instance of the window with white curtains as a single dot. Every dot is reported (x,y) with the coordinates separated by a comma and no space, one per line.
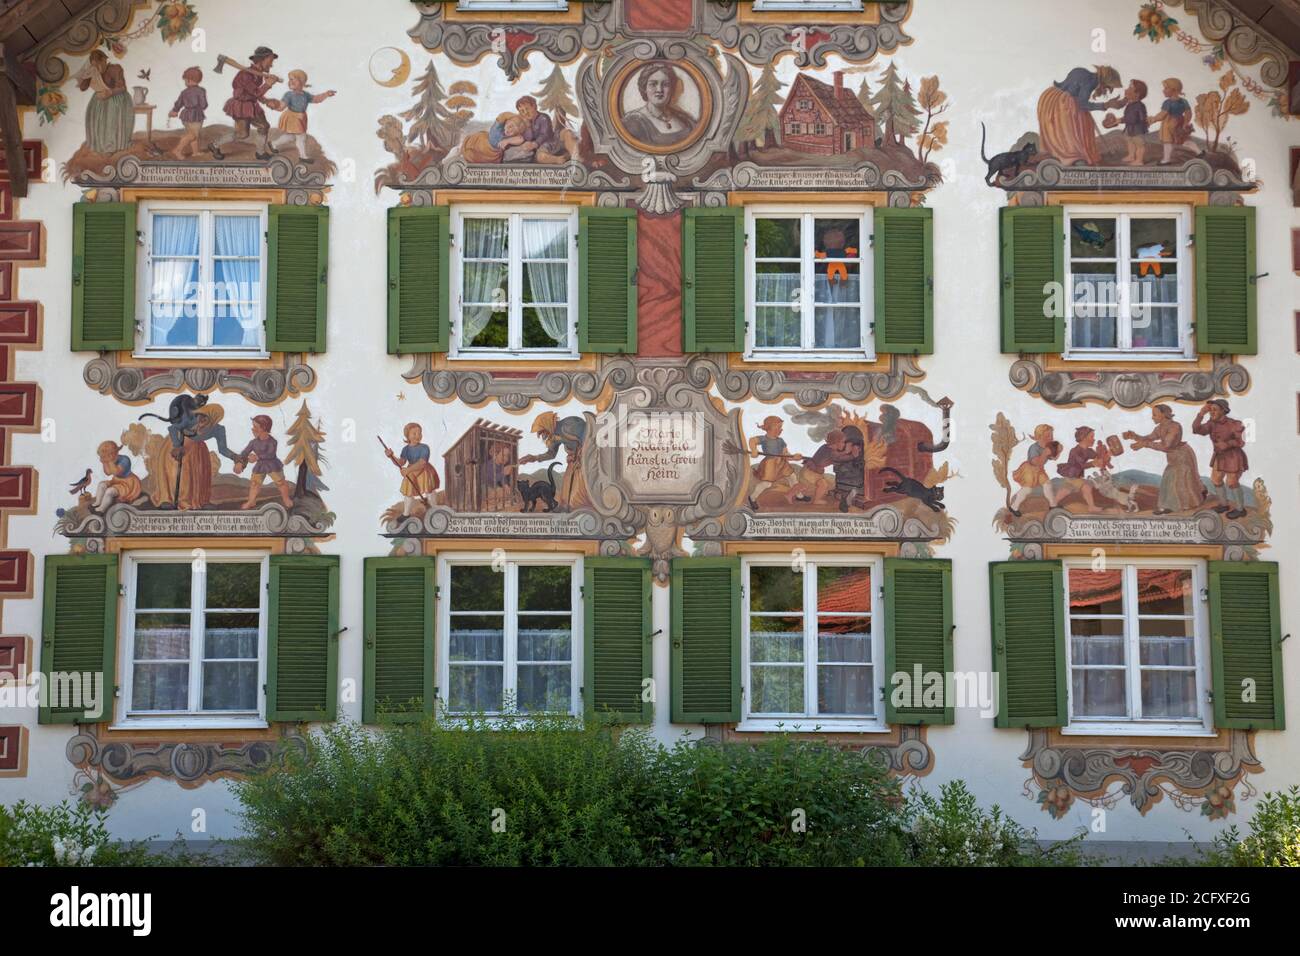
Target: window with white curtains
(788,6)
(510,636)
(812,642)
(195,645)
(809,279)
(1128,270)
(202,281)
(1136,646)
(515,275)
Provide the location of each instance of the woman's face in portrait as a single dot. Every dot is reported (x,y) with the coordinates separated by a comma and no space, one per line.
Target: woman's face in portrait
(659,88)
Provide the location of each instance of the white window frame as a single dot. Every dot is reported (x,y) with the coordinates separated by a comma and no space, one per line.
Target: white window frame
(144,280)
(794,6)
(807,307)
(191,719)
(811,721)
(508,5)
(1184,260)
(510,675)
(515,214)
(1200,726)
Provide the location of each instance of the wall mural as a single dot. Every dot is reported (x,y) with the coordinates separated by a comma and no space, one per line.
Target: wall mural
(1160,481)
(170,482)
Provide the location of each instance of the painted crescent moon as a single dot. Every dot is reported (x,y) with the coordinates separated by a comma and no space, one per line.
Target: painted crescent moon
(382,60)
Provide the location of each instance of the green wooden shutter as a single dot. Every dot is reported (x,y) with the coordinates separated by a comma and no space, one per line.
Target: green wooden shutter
(400,596)
(419,287)
(607,279)
(1027,601)
(297,267)
(1246,644)
(302,645)
(103,275)
(79,637)
(1226,303)
(918,634)
(903,251)
(713,279)
(706,640)
(616,638)
(1033,274)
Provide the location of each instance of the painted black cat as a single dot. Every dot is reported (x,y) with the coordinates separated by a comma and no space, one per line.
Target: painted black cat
(534,491)
(915,489)
(1006,164)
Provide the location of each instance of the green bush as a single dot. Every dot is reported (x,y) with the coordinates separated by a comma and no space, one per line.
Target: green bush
(1274,837)
(523,792)
(781,802)
(952,830)
(62,835)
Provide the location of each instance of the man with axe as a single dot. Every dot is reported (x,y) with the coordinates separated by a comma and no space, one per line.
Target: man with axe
(249,89)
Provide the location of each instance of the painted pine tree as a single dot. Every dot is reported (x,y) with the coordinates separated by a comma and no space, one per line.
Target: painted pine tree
(432,124)
(556,94)
(305,441)
(895,107)
(761,124)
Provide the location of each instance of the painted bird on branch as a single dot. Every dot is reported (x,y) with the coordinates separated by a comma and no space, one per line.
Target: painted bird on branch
(81,484)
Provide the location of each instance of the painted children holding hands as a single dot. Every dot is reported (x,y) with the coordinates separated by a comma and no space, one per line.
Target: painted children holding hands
(293,118)
(261,451)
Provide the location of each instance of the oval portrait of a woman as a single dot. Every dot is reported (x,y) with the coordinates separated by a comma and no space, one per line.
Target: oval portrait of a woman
(660,106)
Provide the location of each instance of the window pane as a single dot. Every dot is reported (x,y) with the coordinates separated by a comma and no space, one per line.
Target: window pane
(843,588)
(1096,641)
(845,690)
(477,587)
(545,328)
(837,328)
(1099,693)
(1092,238)
(1169,694)
(475,688)
(486,238)
(844,639)
(160,687)
(545,238)
(545,688)
(162,637)
(776,328)
(230,636)
(545,587)
(1162,643)
(777,282)
(839,287)
(775,587)
(836,239)
(163,585)
(1165,591)
(544,637)
(476,637)
(486,328)
(174,286)
(777,690)
(486,283)
(230,685)
(1096,592)
(546,282)
(234,585)
(775,639)
(777,238)
(1153,238)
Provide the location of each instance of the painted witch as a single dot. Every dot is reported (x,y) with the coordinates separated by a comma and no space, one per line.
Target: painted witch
(1066,129)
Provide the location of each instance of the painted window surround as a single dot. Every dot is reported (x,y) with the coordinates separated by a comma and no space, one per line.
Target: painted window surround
(457,351)
(1138,728)
(811,722)
(192,721)
(479,6)
(865,214)
(1183,260)
(144,279)
(446,560)
(770,6)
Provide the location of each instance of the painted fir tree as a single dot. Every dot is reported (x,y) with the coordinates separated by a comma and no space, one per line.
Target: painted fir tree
(305,441)
(895,107)
(556,94)
(761,124)
(864,97)
(432,123)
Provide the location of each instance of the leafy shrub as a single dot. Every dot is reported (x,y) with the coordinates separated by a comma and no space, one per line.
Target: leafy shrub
(780,802)
(1274,837)
(62,835)
(519,792)
(952,830)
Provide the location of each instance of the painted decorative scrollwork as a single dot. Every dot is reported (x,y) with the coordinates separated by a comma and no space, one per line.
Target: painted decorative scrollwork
(1129,389)
(189,764)
(261,385)
(761,43)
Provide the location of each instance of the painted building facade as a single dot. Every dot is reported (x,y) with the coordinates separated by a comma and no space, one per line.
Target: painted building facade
(726,369)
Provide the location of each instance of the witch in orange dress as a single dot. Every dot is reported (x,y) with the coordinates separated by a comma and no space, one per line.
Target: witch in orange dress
(1066,130)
